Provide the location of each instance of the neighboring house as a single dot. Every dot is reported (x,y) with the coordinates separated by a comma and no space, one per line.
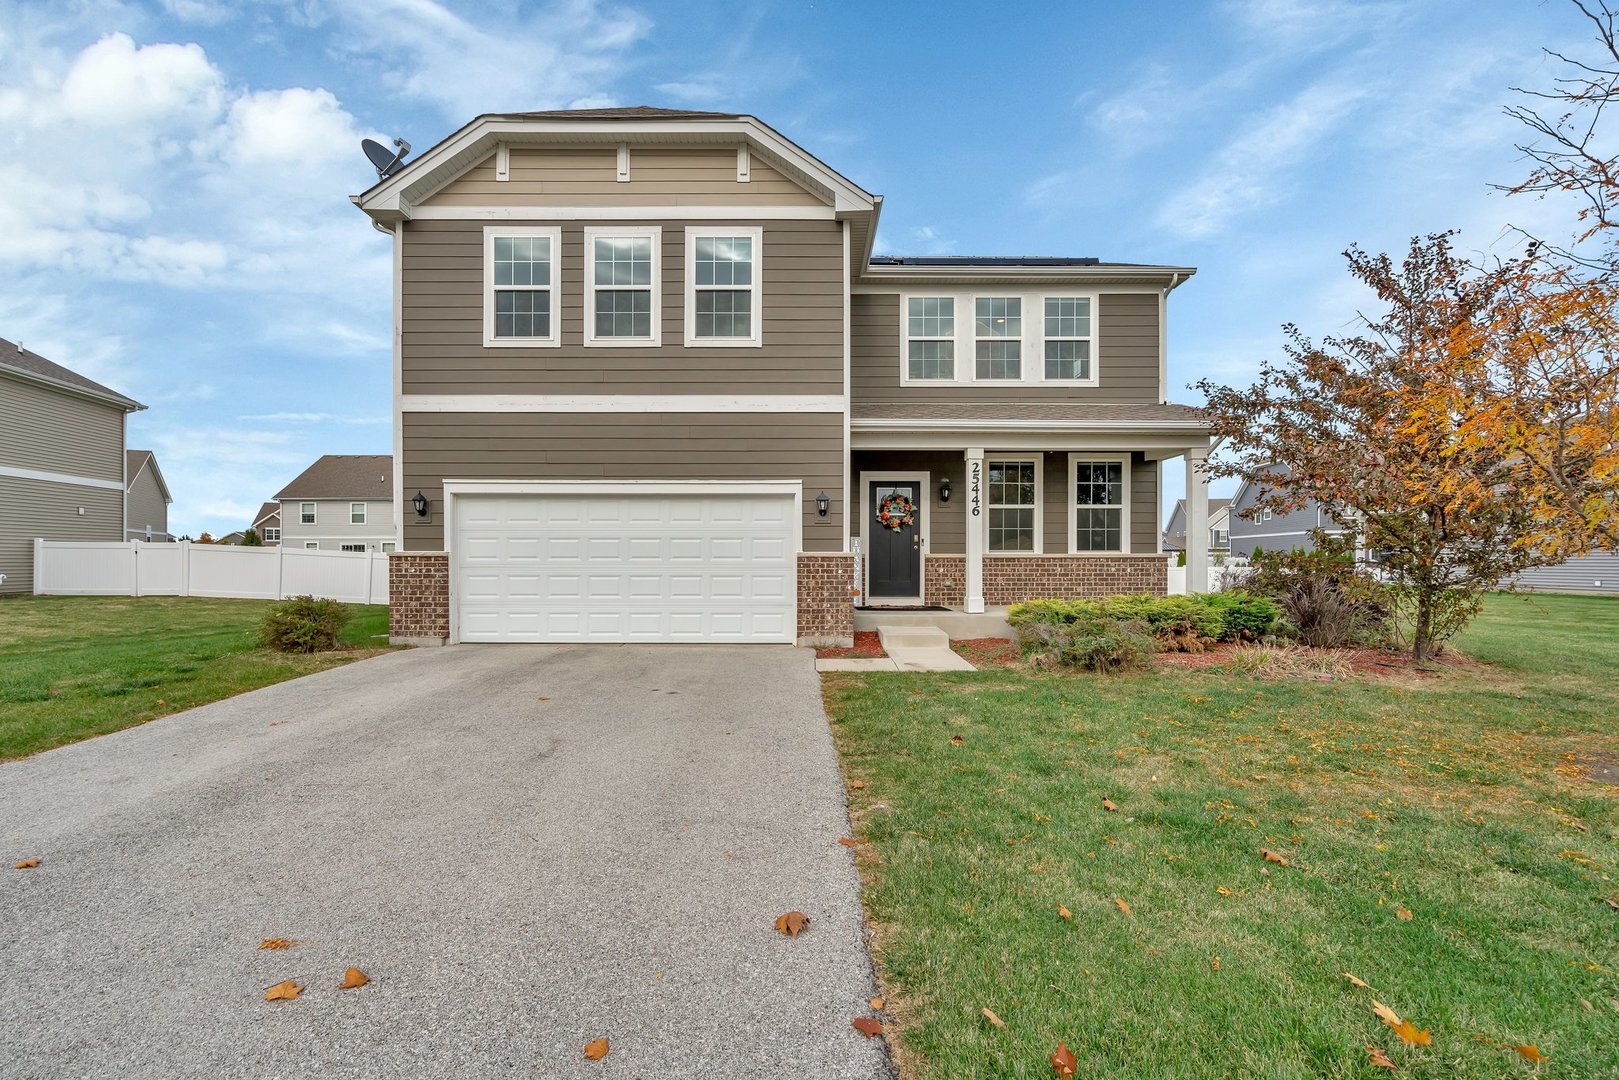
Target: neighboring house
(1219,527)
(343,502)
(1272,531)
(1594,573)
(651,385)
(61,460)
(232,537)
(268,523)
(147,499)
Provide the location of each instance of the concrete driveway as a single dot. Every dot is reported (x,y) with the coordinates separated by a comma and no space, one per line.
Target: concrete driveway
(525,848)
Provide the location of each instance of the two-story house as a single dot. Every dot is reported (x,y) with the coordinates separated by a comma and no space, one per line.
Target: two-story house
(343,502)
(267,523)
(1219,527)
(1254,529)
(62,460)
(146,498)
(650,384)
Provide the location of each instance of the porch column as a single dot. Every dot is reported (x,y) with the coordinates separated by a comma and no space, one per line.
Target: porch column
(975,530)
(1197,521)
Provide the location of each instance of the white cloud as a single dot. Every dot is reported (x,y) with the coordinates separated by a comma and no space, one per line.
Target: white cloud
(113,83)
(203,12)
(926,240)
(1312,25)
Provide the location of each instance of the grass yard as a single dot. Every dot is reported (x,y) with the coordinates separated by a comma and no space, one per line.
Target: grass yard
(76,666)
(1451,841)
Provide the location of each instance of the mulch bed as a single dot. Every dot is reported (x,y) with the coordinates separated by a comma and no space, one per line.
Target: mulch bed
(987,652)
(1375,663)
(867,646)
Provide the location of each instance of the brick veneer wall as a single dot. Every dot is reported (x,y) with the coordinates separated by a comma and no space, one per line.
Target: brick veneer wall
(418,597)
(944,582)
(1013,578)
(826,600)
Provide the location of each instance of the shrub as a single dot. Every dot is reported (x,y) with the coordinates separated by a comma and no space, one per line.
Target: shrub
(1246,617)
(250,538)
(1452,610)
(1096,643)
(1055,612)
(1327,600)
(1179,623)
(304,624)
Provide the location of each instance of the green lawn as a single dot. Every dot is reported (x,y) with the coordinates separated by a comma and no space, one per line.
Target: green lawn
(76,666)
(1460,799)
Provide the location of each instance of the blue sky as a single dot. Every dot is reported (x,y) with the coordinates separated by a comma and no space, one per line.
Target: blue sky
(174,215)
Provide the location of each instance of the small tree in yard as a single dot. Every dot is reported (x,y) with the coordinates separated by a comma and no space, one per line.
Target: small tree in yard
(250,538)
(1393,427)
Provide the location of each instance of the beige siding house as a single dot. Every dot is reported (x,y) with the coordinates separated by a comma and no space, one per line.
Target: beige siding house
(146,498)
(652,385)
(267,523)
(343,502)
(61,460)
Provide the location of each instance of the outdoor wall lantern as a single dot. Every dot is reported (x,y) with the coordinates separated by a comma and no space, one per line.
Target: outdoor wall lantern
(823,504)
(420,503)
(944,490)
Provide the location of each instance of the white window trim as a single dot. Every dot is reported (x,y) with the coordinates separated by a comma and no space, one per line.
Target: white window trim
(1073,504)
(1022,339)
(352,505)
(389,545)
(268,530)
(755,291)
(651,232)
(924,519)
(1039,502)
(314,514)
(554,286)
(1033,350)
(354,548)
(311,545)
(905,338)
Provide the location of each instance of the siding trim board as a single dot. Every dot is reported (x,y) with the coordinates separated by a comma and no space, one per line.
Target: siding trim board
(638,212)
(635,403)
(59,478)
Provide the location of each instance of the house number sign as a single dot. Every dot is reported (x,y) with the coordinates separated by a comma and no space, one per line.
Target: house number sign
(974,487)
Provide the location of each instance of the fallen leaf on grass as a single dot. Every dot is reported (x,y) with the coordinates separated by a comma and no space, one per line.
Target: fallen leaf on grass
(283,991)
(867,1026)
(1223,891)
(1403,914)
(1063,1061)
(353,979)
(26,864)
(1271,856)
(1123,906)
(1065,913)
(877,1003)
(277,943)
(992,1018)
(1362,983)
(1530,1052)
(1380,1060)
(856,785)
(596,1049)
(1610,901)
(792,923)
(956,740)
(1405,1029)
(1214,964)
(848,841)
(1109,805)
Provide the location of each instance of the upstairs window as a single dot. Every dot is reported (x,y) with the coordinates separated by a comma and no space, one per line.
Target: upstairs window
(357,513)
(722,286)
(306,513)
(1068,339)
(930,337)
(272,533)
(999,337)
(1100,504)
(623,286)
(520,285)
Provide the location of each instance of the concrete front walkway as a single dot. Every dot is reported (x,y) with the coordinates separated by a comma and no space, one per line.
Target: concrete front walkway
(524,847)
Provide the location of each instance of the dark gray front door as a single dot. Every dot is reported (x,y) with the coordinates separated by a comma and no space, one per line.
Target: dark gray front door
(894,554)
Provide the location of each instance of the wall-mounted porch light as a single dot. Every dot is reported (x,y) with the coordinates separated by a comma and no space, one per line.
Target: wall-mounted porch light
(823,504)
(420,503)
(944,490)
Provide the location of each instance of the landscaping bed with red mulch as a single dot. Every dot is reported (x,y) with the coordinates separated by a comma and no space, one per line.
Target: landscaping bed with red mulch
(988,652)
(867,646)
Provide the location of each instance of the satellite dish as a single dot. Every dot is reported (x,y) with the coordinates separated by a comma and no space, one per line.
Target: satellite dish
(384,160)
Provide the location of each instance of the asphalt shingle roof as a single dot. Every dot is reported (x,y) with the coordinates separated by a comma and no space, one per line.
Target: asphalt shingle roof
(344,476)
(15,358)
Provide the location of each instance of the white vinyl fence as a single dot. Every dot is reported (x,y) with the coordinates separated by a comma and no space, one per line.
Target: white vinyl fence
(1217,576)
(134,568)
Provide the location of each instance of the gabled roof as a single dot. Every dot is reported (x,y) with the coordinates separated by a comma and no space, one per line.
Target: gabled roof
(344,476)
(35,368)
(267,511)
(393,198)
(135,461)
(1215,506)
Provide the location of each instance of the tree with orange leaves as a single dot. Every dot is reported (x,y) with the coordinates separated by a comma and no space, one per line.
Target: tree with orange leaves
(1460,433)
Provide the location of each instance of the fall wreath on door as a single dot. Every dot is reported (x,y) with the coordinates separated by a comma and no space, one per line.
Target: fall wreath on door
(896,512)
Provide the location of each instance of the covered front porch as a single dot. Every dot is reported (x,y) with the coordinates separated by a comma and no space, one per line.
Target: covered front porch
(970,517)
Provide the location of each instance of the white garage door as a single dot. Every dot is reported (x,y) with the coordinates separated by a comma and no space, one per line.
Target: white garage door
(687,567)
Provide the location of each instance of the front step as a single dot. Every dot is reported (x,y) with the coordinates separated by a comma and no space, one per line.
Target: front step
(912,637)
(920,648)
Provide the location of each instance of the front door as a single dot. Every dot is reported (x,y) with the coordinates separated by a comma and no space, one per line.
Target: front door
(894,539)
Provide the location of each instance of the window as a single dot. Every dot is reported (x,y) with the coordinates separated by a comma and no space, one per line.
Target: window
(622,285)
(353,547)
(1068,338)
(389,545)
(1264,515)
(723,305)
(311,545)
(930,337)
(271,533)
(306,513)
(1222,538)
(1014,504)
(998,333)
(1100,503)
(357,513)
(520,285)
